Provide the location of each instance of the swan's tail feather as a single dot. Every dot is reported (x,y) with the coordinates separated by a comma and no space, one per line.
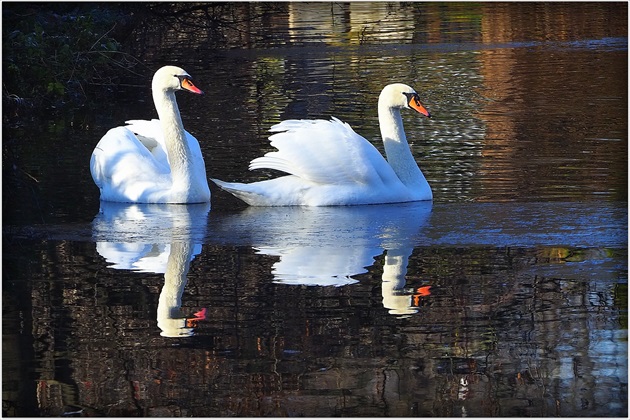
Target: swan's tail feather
(239,190)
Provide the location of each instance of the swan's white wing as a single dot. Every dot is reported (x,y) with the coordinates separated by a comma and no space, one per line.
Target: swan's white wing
(325,152)
(149,133)
(122,167)
(130,163)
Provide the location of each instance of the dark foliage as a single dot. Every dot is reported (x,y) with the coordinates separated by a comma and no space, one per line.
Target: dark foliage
(54,52)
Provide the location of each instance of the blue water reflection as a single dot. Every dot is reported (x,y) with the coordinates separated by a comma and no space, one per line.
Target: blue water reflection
(328,246)
(578,224)
(316,246)
(331,246)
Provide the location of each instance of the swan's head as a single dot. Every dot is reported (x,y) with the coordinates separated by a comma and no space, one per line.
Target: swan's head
(172,78)
(399,95)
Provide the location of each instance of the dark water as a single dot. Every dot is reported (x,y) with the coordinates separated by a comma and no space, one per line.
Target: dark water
(506,296)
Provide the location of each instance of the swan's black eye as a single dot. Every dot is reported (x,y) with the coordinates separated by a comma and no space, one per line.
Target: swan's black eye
(185,82)
(411,96)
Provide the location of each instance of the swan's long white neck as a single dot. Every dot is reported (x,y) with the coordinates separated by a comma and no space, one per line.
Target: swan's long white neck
(394,271)
(397,149)
(175,278)
(169,315)
(179,154)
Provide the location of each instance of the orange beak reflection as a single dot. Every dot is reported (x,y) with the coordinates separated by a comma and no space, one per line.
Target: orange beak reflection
(199,316)
(421,292)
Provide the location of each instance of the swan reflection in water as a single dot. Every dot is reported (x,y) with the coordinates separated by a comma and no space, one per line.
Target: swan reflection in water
(155,238)
(316,246)
(328,246)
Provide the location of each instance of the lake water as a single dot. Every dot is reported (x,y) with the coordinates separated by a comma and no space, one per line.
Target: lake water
(505,296)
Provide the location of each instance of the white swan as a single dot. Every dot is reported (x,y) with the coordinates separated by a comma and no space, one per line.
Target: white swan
(155,238)
(154,161)
(330,246)
(400,300)
(171,320)
(329,164)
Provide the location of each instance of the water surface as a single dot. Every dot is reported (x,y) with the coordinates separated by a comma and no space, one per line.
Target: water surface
(506,296)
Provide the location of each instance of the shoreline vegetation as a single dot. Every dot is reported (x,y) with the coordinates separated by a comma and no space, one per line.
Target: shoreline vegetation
(68,55)
(54,54)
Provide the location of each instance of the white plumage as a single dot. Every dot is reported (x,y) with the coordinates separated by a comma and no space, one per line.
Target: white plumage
(153,161)
(329,164)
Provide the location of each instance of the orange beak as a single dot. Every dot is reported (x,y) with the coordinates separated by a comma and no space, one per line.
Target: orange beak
(188,85)
(421,292)
(414,103)
(424,291)
(199,316)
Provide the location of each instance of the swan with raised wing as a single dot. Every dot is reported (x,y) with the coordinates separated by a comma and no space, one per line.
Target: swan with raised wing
(329,164)
(153,161)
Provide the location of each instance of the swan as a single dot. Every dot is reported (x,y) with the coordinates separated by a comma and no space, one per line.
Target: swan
(155,238)
(331,165)
(154,161)
(171,320)
(330,246)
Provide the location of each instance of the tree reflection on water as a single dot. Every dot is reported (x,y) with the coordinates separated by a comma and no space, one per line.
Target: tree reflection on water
(506,297)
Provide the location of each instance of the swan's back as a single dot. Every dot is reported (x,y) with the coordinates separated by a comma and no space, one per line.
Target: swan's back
(320,151)
(154,161)
(327,164)
(124,169)
(130,164)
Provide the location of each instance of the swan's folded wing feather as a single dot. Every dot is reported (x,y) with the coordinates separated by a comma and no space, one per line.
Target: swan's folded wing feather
(327,152)
(150,134)
(147,128)
(119,156)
